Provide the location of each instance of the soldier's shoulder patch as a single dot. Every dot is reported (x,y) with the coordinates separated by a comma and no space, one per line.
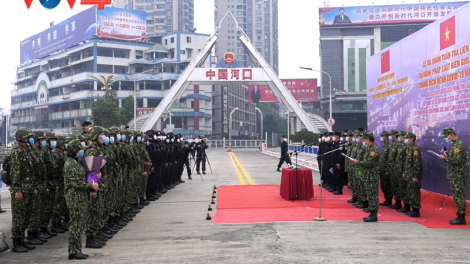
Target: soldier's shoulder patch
(457,150)
(372,153)
(415,153)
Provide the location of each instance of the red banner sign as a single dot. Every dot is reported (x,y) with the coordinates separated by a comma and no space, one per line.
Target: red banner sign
(303,90)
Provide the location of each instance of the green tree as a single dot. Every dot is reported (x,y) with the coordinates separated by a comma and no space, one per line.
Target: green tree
(106,113)
(127,109)
(306,136)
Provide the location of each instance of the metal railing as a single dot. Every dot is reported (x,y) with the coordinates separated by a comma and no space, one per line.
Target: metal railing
(235,143)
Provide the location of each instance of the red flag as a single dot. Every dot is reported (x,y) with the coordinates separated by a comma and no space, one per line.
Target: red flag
(71,3)
(447,33)
(385,65)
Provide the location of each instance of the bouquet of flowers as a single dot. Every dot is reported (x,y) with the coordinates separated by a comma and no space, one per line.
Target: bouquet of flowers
(93,166)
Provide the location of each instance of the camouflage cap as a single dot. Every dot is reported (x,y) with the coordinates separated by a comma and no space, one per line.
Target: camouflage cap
(70,137)
(410,135)
(61,141)
(385,134)
(402,133)
(73,146)
(350,133)
(368,135)
(95,132)
(38,135)
(145,137)
(448,131)
(393,132)
(23,133)
(50,135)
(358,133)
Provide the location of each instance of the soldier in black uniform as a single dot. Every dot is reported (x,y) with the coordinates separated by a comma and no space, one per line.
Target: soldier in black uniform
(201,156)
(186,151)
(284,154)
(327,164)
(151,148)
(338,164)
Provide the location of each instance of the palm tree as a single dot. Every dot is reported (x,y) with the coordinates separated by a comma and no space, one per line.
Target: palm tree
(105,81)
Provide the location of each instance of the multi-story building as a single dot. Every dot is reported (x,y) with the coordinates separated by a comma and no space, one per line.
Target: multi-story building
(163,16)
(345,46)
(259,21)
(56,93)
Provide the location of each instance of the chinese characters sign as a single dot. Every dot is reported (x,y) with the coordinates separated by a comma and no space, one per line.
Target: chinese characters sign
(61,36)
(111,23)
(303,90)
(388,14)
(424,88)
(122,24)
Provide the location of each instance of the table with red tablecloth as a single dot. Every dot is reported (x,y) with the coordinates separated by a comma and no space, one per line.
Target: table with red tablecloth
(289,186)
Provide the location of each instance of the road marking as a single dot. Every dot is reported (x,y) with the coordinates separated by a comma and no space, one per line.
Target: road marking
(247,176)
(240,177)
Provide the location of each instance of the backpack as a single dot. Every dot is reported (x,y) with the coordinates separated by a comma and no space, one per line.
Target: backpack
(6,170)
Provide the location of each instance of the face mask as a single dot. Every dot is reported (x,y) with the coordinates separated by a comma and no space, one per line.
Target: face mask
(118,137)
(106,140)
(131,140)
(53,144)
(111,140)
(319,140)
(82,143)
(43,144)
(390,138)
(138,139)
(407,141)
(334,138)
(364,144)
(399,139)
(148,143)
(381,139)
(80,155)
(447,140)
(341,138)
(347,144)
(154,137)
(347,139)
(65,145)
(31,141)
(123,138)
(167,141)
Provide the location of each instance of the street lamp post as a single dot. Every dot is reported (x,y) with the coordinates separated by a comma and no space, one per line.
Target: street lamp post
(331,102)
(230,125)
(261,114)
(135,97)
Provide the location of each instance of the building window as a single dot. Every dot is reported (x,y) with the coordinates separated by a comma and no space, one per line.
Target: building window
(139,54)
(189,53)
(192,104)
(362,70)
(183,52)
(364,106)
(351,70)
(347,107)
(188,39)
(166,41)
(172,40)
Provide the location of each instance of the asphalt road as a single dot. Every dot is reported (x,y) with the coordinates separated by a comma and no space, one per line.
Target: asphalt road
(174,230)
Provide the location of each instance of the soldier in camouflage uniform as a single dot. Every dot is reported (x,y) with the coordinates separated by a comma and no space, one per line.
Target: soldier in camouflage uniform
(390,166)
(456,173)
(60,207)
(53,183)
(21,188)
(95,238)
(399,168)
(370,174)
(413,174)
(76,196)
(40,185)
(385,182)
(145,158)
(362,202)
(351,143)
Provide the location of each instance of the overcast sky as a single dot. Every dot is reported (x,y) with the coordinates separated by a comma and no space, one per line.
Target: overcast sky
(298,32)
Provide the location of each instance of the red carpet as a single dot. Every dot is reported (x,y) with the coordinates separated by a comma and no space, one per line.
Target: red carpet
(263,204)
